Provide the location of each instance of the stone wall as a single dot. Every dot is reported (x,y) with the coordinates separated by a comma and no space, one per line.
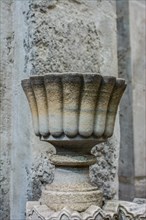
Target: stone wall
(132,65)
(126,163)
(138,63)
(6,62)
(38,37)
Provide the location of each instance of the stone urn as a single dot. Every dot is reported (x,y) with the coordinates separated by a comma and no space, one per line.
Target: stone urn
(73,112)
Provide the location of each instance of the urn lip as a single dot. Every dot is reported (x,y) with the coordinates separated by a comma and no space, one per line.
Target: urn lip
(77,138)
(106,78)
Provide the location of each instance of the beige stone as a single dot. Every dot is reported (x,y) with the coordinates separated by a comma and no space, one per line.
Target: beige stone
(78,104)
(75,112)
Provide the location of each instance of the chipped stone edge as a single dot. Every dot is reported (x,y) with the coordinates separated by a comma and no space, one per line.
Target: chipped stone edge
(113,210)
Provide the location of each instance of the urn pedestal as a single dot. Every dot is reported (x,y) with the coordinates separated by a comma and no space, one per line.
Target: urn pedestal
(73,112)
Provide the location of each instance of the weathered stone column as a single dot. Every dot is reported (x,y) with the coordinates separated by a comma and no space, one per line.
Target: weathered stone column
(138,64)
(41,37)
(77,36)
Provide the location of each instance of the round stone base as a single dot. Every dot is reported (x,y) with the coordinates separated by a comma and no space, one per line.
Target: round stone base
(71,188)
(78,201)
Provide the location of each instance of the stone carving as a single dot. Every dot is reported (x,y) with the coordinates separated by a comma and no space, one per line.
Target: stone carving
(114,210)
(73,104)
(132,212)
(74,112)
(42,212)
(123,210)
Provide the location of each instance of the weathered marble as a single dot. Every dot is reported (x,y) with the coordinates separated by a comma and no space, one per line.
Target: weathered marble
(74,36)
(21,23)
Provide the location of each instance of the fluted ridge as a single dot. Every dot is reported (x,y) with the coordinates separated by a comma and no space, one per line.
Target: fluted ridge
(73,104)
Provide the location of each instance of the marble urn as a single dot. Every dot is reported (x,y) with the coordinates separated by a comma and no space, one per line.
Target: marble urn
(73,112)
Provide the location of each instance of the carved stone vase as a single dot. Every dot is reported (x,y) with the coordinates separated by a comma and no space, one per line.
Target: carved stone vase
(73,112)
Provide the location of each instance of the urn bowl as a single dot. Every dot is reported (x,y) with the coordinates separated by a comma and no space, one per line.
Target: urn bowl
(73,109)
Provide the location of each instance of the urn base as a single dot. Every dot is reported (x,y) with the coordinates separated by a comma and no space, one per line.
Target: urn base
(71,188)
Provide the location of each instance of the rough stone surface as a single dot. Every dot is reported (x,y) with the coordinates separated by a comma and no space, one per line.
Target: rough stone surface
(123,210)
(16,155)
(23,34)
(6,63)
(113,210)
(69,36)
(41,173)
(79,108)
(37,211)
(139,200)
(104,171)
(81,114)
(126,162)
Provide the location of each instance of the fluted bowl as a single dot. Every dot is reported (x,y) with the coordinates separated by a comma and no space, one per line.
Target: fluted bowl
(73,106)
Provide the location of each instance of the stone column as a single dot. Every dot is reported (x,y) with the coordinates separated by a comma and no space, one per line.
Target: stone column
(126,162)
(77,36)
(131,61)
(42,37)
(138,65)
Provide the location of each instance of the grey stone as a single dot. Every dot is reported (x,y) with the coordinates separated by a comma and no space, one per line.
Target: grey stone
(19,23)
(126,161)
(80,110)
(76,104)
(139,200)
(131,61)
(138,63)
(113,210)
(37,211)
